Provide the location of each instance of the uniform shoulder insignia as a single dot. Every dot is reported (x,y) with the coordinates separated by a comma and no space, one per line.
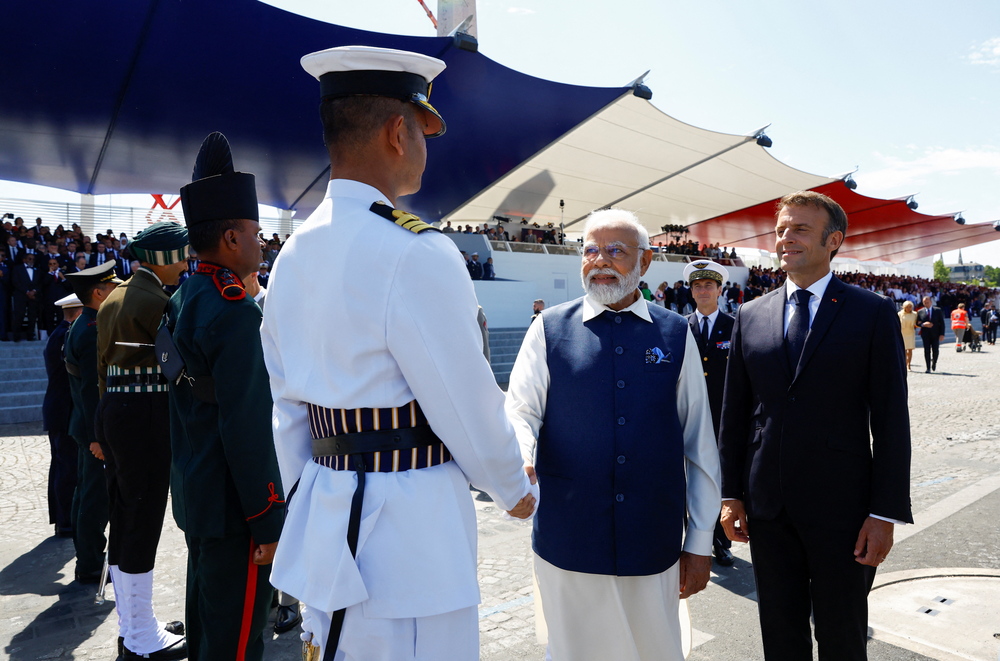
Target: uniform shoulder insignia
(405,220)
(225,281)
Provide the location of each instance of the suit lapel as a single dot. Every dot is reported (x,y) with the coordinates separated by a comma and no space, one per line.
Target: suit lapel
(774,314)
(833,299)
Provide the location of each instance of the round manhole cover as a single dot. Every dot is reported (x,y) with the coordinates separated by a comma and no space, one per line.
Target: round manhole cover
(941,613)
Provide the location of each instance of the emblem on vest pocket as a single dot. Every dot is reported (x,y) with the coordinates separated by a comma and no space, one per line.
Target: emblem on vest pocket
(655,356)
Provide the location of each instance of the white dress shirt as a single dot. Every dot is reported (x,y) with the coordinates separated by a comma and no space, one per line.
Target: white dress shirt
(817,289)
(528,392)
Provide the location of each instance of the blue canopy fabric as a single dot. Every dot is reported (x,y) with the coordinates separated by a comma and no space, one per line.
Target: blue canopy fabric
(116,97)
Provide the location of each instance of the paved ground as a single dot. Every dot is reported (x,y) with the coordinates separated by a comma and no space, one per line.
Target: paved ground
(956,493)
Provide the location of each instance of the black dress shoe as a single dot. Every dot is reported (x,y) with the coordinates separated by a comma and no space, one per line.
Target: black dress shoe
(178,650)
(724,557)
(287,618)
(88,578)
(175,627)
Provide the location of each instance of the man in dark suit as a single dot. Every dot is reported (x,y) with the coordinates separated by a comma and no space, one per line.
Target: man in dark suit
(28,293)
(931,322)
(99,256)
(815,440)
(712,328)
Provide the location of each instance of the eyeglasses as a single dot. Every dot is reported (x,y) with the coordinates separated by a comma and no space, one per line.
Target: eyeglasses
(616,251)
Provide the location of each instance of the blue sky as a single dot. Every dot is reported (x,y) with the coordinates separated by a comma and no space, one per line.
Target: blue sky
(907,92)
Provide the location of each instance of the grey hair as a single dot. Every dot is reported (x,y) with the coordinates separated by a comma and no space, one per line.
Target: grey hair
(617,218)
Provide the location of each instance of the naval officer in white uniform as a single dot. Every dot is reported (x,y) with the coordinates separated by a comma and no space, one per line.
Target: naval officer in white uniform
(383,352)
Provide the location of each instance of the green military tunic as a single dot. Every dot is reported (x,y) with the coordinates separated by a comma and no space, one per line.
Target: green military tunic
(90,501)
(227,493)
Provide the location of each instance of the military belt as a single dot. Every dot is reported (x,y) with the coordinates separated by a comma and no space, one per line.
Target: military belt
(370,440)
(135,379)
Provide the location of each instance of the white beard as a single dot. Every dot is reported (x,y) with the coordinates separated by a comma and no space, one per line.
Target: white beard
(611,294)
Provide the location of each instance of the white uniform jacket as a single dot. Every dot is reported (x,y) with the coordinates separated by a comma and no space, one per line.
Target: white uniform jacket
(362,313)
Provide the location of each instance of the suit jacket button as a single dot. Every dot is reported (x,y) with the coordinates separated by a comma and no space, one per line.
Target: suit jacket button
(621,459)
(621,384)
(620,498)
(621,421)
(619,350)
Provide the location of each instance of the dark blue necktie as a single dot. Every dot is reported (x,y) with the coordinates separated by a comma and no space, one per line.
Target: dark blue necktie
(704,332)
(795,339)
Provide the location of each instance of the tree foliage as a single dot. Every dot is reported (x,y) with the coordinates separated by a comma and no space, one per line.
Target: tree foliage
(992,275)
(941,271)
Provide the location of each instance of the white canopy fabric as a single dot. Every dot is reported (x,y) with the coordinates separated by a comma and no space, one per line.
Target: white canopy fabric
(635,156)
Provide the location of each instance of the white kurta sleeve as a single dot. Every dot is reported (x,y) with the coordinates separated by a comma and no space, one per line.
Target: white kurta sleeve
(701,452)
(528,390)
(435,339)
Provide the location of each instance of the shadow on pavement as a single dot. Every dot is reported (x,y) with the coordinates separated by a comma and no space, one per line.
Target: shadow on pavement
(737,579)
(72,619)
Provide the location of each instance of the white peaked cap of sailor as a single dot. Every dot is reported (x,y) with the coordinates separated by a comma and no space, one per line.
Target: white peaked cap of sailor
(371,58)
(705,269)
(347,71)
(70,301)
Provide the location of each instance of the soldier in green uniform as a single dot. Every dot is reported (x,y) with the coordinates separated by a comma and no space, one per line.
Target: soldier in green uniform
(133,427)
(227,495)
(90,500)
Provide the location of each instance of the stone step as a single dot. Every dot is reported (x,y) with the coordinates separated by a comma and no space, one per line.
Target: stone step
(24,398)
(15,363)
(11,386)
(21,349)
(21,414)
(30,373)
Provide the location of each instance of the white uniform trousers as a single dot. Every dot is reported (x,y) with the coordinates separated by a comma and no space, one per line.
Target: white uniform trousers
(596,617)
(453,636)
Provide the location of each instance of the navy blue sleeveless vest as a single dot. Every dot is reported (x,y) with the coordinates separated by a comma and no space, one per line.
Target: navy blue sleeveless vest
(610,459)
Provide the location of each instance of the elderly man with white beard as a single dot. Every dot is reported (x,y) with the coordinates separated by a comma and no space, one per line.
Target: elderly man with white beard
(611,410)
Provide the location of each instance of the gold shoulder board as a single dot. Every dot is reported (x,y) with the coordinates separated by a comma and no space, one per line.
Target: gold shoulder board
(405,220)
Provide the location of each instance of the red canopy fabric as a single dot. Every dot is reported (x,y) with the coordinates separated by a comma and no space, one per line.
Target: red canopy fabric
(878,230)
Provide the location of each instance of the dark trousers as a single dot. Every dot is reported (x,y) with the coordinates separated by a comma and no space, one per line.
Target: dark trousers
(24,306)
(931,342)
(990,334)
(803,567)
(135,430)
(62,478)
(90,512)
(228,599)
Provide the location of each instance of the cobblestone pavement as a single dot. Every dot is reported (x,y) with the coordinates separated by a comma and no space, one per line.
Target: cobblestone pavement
(956,444)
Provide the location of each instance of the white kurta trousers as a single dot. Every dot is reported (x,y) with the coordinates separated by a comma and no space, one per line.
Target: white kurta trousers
(453,636)
(595,617)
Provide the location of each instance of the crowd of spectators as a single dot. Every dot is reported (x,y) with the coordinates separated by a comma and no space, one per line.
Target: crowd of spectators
(900,288)
(714,252)
(34,261)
